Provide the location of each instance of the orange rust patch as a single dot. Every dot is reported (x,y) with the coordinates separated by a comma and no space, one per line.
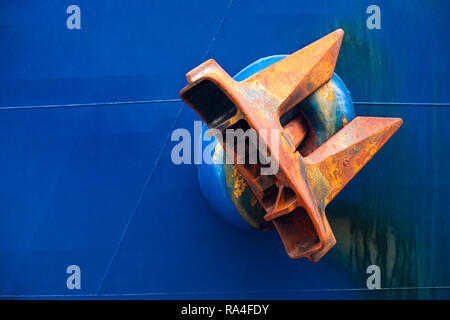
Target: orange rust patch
(239,183)
(326,91)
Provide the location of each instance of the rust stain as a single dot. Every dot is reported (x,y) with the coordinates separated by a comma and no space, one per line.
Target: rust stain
(239,183)
(326,91)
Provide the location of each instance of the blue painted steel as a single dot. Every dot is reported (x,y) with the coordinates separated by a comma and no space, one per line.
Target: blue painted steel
(93,184)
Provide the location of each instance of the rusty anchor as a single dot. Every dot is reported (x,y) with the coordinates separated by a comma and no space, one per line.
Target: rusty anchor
(309,176)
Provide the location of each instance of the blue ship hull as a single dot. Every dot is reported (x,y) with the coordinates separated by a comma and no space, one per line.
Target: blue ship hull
(86,174)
